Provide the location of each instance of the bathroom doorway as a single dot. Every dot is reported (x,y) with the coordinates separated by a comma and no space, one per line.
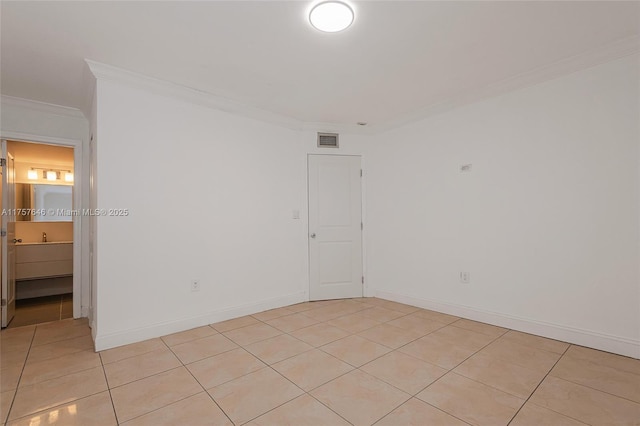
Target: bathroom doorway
(38,218)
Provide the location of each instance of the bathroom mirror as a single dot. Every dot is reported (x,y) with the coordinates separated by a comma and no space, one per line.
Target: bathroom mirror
(51,198)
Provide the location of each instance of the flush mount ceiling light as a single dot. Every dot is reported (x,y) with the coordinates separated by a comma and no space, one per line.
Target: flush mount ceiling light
(331,16)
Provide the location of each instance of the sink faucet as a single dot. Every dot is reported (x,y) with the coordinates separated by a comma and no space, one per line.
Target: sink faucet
(44,237)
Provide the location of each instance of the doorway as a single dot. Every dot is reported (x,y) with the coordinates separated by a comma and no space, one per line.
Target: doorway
(335,227)
(38,233)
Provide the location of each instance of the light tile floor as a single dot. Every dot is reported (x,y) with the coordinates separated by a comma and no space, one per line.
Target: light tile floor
(358,361)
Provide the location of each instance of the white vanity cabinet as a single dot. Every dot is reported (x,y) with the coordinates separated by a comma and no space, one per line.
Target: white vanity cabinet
(44,260)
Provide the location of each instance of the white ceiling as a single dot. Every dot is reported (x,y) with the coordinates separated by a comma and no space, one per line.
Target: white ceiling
(397,58)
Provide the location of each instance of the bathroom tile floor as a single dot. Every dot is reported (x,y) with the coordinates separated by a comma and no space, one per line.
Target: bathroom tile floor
(357,361)
(42,309)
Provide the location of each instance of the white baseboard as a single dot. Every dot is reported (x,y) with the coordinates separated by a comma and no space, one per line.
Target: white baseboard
(610,343)
(125,337)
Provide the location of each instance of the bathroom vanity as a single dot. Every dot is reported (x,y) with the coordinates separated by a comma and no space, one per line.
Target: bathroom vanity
(44,269)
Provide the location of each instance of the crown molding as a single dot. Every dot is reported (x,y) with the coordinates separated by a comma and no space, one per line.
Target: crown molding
(603,54)
(607,53)
(41,107)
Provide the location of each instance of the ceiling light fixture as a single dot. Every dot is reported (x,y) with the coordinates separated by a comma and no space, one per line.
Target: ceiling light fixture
(331,16)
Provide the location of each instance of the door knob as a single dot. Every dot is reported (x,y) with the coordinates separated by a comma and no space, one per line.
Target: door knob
(313,235)
(17,240)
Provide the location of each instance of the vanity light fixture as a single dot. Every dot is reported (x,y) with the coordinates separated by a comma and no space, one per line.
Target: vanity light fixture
(51,175)
(32,174)
(68,177)
(331,16)
(35,173)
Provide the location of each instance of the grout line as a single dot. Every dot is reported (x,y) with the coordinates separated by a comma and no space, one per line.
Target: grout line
(115,413)
(541,381)
(15,394)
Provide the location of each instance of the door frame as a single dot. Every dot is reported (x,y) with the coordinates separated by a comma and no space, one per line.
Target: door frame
(81,287)
(363,235)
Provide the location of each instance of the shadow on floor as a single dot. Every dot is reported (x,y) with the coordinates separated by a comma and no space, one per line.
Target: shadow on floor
(42,309)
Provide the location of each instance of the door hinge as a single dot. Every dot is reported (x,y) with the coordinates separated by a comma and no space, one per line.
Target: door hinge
(363,279)
(4,302)
(360,172)
(361,226)
(3,162)
(3,233)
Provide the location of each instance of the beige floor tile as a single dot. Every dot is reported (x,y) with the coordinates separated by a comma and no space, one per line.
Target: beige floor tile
(500,374)
(606,359)
(9,378)
(303,410)
(116,354)
(196,350)
(189,335)
(252,395)
(234,323)
(518,354)
(355,350)
(47,369)
(354,323)
(374,301)
(146,395)
(8,334)
(195,410)
(404,372)
(292,322)
(471,401)
(585,404)
(312,369)
(138,367)
(418,413)
(13,359)
(17,342)
(301,307)
(480,327)
(436,316)
(437,350)
(533,415)
(335,310)
(252,333)
(64,347)
(600,377)
(272,314)
(417,324)
(60,330)
(466,338)
(320,334)
(381,314)
(219,369)
(59,391)
(360,398)
(278,348)
(399,307)
(390,336)
(93,410)
(536,342)
(6,398)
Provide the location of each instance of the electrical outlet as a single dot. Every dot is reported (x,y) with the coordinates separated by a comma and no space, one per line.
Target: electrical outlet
(465,277)
(195,285)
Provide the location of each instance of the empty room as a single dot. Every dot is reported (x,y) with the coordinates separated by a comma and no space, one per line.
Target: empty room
(320,213)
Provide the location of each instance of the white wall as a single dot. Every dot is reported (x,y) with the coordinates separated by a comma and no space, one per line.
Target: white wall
(42,122)
(547,221)
(210,197)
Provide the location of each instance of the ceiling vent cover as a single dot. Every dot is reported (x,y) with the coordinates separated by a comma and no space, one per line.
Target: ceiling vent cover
(327,140)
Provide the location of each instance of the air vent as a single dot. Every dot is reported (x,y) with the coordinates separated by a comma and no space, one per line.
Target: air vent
(327,140)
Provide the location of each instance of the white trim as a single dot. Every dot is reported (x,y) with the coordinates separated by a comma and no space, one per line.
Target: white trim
(606,342)
(78,241)
(134,335)
(42,107)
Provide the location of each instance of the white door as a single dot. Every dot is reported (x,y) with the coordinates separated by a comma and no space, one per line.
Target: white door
(335,227)
(9,237)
